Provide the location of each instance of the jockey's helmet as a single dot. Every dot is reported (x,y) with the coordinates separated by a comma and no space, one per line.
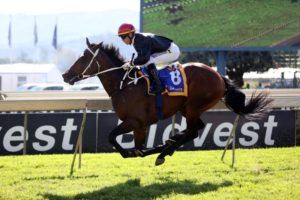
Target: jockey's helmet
(125,28)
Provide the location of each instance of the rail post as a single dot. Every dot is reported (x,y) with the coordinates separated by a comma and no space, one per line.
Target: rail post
(25,122)
(78,147)
(231,138)
(173,124)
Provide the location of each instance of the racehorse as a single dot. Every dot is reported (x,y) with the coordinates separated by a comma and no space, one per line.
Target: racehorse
(174,8)
(137,109)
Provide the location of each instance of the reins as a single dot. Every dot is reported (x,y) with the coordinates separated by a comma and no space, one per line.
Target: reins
(126,75)
(82,75)
(134,79)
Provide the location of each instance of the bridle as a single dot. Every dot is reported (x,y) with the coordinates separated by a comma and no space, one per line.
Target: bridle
(95,54)
(83,75)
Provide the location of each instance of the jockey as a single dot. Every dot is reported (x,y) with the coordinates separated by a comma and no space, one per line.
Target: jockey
(151,49)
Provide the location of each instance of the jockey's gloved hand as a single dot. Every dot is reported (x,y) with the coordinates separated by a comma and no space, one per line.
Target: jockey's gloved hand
(127,66)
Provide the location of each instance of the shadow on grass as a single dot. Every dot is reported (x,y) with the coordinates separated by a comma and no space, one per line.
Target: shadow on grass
(132,189)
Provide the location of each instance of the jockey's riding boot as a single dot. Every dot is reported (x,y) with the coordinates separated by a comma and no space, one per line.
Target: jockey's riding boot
(154,77)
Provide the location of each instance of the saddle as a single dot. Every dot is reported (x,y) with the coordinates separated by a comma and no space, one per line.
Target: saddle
(172,78)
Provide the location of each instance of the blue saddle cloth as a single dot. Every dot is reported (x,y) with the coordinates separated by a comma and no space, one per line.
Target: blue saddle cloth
(173,79)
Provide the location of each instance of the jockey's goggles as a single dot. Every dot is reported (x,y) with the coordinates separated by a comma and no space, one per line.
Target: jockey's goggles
(123,36)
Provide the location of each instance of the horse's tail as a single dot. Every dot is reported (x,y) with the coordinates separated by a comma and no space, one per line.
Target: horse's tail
(256,108)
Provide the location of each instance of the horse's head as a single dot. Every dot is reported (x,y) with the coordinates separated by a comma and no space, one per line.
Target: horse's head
(85,66)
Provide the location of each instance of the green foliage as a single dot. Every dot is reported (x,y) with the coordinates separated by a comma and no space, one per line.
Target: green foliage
(258,174)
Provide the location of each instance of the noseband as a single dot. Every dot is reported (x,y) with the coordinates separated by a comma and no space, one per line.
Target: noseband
(82,75)
(95,54)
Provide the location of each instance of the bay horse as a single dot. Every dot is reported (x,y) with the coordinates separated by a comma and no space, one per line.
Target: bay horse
(137,109)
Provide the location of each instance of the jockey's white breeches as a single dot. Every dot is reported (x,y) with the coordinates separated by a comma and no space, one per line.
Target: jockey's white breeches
(166,57)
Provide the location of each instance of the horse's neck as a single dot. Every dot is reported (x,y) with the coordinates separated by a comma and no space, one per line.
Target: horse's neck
(111,82)
(111,79)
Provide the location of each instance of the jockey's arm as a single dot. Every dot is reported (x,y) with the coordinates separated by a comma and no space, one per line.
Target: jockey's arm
(142,46)
(141,59)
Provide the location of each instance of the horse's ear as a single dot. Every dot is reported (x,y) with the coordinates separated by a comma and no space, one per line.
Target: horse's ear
(88,42)
(99,45)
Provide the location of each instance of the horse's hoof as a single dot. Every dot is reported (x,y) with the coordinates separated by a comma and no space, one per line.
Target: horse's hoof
(159,161)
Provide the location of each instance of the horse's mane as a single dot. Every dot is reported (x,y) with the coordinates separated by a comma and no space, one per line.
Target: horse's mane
(112,52)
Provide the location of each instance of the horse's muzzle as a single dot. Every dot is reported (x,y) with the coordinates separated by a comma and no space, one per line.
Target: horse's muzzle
(73,80)
(70,79)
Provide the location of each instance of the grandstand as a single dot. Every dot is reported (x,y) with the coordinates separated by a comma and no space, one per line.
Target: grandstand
(287,58)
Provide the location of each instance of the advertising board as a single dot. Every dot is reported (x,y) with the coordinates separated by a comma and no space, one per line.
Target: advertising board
(49,133)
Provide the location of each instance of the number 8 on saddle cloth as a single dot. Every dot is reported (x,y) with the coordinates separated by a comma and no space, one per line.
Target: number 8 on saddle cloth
(173,79)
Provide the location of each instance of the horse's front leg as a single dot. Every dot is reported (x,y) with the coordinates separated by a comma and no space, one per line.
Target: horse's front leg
(159,148)
(193,125)
(151,151)
(122,128)
(140,141)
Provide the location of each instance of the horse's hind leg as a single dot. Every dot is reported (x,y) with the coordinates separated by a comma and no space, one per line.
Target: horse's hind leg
(159,149)
(193,125)
(180,136)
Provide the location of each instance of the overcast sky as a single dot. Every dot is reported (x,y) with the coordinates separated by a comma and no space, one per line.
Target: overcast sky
(105,16)
(38,7)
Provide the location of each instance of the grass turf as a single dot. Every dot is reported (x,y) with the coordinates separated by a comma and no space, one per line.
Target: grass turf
(258,174)
(224,23)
